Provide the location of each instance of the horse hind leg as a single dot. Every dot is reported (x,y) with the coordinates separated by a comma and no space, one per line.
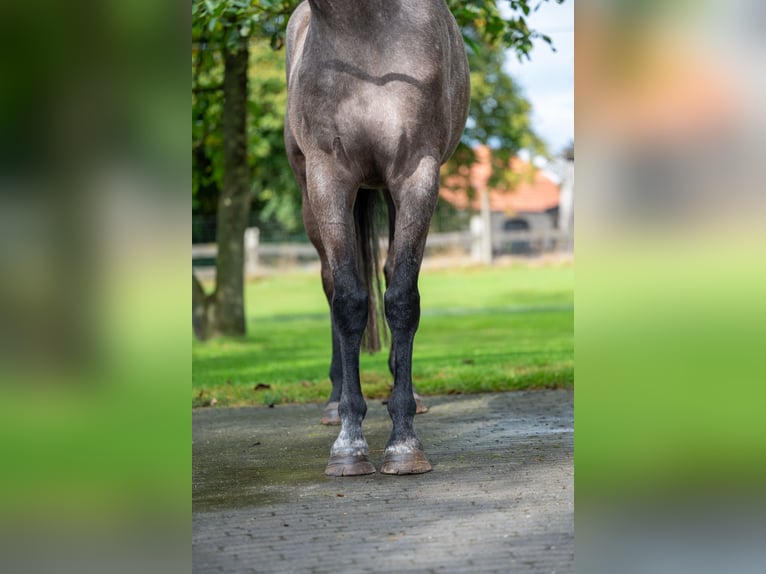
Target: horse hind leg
(404,452)
(420,406)
(349,454)
(416,198)
(331,194)
(330,414)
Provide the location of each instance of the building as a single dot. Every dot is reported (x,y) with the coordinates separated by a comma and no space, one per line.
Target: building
(521,196)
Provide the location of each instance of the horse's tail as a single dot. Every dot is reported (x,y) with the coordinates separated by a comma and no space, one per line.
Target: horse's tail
(366,220)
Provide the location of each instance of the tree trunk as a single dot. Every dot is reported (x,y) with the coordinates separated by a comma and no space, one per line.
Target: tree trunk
(223,312)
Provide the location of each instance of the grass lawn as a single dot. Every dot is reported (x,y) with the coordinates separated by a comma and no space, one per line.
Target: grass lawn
(481,329)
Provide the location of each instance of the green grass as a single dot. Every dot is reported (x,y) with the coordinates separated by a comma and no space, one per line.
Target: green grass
(481,329)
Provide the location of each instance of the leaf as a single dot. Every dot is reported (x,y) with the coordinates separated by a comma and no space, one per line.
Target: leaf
(473,45)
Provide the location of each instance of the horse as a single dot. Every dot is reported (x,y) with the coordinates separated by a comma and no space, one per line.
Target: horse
(377,100)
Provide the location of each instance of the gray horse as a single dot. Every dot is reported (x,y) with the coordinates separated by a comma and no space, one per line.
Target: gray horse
(377,99)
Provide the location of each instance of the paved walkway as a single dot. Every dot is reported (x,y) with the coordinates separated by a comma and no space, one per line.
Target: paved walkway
(500,497)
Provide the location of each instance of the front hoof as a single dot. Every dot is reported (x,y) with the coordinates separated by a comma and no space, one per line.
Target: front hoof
(330,414)
(414,462)
(349,465)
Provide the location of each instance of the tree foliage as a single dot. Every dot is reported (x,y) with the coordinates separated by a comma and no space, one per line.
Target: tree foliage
(220,25)
(484,25)
(229,20)
(275,194)
(500,114)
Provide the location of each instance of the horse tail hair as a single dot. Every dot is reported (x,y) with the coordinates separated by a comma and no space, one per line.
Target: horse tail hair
(367,223)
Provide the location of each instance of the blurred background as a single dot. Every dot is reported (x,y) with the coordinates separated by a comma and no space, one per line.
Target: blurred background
(670,314)
(94,200)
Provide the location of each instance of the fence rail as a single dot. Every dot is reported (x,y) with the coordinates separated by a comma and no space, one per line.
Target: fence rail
(262,258)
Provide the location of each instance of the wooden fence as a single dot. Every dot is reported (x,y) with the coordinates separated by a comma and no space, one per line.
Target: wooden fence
(265,258)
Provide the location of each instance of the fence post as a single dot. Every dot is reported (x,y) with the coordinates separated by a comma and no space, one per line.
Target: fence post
(566,203)
(252,238)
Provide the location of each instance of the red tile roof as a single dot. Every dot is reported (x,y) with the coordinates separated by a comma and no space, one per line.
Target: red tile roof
(532,190)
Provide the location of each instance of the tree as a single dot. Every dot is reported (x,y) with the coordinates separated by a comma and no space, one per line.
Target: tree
(227,25)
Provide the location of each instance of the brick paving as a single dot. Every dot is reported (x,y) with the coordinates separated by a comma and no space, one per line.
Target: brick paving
(500,497)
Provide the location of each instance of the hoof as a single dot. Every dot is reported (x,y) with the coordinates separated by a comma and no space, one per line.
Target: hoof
(349,465)
(421,407)
(406,463)
(330,414)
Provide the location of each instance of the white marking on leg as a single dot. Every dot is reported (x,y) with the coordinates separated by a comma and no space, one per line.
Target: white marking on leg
(405,447)
(345,446)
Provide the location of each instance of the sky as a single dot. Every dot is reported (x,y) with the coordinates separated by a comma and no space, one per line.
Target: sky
(547,80)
